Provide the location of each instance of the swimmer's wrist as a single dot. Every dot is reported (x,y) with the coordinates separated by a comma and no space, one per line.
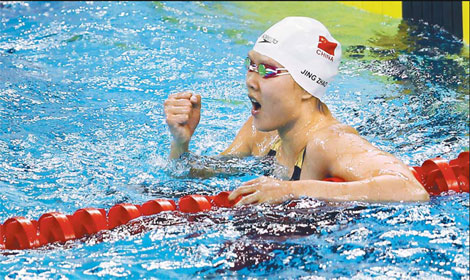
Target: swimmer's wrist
(178,148)
(297,189)
(293,189)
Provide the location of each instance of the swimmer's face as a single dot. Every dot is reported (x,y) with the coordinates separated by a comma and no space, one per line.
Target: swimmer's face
(276,100)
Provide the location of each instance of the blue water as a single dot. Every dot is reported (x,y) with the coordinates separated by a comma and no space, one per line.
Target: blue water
(82,87)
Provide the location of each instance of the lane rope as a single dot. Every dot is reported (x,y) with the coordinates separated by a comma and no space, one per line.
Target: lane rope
(17,233)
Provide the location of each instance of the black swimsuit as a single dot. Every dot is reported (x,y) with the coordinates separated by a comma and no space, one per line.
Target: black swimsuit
(298,164)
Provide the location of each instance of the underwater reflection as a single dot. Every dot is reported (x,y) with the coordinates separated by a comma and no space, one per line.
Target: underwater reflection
(270,232)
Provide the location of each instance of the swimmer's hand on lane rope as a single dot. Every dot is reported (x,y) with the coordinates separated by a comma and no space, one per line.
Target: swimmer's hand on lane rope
(183,112)
(263,190)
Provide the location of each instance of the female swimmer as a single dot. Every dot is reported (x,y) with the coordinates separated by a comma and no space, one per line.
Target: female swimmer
(289,68)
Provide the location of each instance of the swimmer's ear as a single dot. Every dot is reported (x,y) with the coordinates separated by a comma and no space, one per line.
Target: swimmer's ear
(306,95)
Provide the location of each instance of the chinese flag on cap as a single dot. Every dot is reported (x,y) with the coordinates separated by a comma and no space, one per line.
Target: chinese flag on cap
(327,46)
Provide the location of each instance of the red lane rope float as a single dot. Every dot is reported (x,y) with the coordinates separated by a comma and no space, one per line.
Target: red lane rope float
(418,173)
(20,233)
(334,179)
(88,221)
(55,227)
(156,206)
(2,242)
(121,214)
(436,175)
(460,167)
(221,200)
(439,176)
(194,203)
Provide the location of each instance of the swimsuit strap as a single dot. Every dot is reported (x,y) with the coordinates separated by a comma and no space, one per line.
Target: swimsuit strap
(275,147)
(298,164)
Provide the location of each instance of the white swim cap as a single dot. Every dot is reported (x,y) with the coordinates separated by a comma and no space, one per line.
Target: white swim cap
(306,49)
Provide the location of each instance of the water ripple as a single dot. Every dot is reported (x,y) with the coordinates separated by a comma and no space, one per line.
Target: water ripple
(82,125)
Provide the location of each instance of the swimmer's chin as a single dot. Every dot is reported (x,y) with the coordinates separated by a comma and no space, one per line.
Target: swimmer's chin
(263,128)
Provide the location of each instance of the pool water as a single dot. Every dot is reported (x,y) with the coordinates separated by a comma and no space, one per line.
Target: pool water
(82,86)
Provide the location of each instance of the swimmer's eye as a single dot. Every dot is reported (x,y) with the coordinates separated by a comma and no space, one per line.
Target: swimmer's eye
(264,70)
(248,63)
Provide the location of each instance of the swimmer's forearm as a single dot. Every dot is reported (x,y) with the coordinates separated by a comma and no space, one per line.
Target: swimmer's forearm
(208,166)
(177,149)
(381,188)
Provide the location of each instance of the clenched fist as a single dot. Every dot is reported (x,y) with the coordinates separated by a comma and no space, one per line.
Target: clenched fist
(183,112)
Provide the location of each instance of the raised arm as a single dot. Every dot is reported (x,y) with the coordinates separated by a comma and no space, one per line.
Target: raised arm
(183,112)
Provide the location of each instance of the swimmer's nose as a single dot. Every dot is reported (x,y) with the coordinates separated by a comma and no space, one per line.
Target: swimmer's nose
(252,82)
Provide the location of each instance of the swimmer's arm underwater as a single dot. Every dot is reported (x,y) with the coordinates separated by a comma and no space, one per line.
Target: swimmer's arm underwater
(248,142)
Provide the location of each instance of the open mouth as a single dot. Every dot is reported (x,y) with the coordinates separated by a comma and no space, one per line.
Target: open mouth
(255,103)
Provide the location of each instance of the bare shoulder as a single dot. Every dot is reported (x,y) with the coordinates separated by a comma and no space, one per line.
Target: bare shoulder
(323,147)
(329,138)
(344,152)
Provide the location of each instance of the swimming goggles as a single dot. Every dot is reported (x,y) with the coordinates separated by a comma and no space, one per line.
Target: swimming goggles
(264,70)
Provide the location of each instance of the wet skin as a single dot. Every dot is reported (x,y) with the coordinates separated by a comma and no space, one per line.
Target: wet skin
(282,109)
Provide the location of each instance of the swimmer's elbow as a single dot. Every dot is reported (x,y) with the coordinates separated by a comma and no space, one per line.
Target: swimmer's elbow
(419,193)
(396,188)
(413,190)
(424,196)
